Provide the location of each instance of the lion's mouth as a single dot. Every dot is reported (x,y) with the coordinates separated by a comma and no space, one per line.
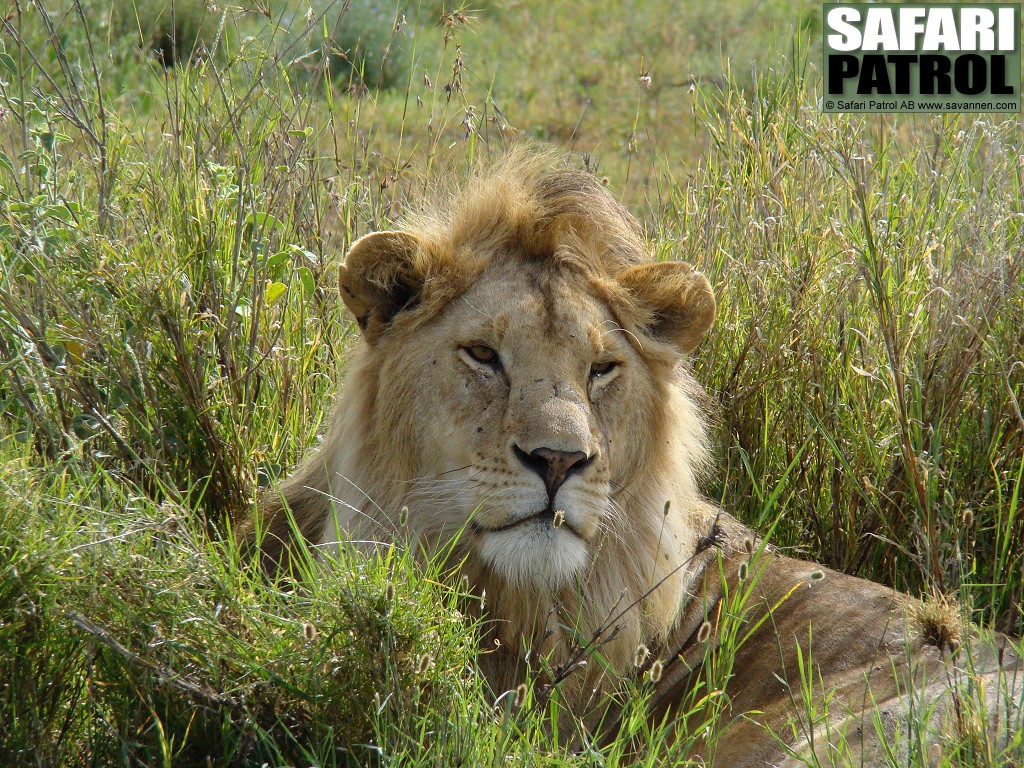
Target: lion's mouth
(548,517)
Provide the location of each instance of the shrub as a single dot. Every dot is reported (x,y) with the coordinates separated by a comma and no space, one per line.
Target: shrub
(367,43)
(174,30)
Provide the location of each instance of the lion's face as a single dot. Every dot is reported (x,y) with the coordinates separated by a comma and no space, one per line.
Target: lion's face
(517,397)
(532,405)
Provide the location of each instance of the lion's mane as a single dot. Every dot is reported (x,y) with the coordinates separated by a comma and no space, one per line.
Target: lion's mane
(528,209)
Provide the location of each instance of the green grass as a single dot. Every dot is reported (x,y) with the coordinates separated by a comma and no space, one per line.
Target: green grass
(170,335)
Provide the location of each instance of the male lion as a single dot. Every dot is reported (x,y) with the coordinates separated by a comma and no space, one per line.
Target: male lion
(522,390)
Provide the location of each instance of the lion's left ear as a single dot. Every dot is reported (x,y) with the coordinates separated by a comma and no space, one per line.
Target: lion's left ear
(679,299)
(382,276)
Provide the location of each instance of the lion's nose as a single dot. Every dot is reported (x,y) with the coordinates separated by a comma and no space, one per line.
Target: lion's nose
(553,466)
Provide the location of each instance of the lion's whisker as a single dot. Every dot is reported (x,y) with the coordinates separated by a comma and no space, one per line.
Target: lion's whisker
(626,331)
(476,308)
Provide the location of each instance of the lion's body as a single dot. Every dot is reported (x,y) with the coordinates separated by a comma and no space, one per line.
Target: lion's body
(520,392)
(839,668)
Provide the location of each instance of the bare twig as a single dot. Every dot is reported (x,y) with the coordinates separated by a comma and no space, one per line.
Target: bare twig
(167,677)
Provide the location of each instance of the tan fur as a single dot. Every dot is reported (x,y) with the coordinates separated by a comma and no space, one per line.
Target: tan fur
(538,264)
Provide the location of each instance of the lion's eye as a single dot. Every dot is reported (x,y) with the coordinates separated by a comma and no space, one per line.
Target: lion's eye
(603,368)
(482,354)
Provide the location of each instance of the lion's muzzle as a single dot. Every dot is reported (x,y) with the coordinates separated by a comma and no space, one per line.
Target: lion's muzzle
(552,466)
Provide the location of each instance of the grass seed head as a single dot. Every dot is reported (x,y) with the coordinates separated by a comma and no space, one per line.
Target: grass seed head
(704,632)
(521,692)
(940,621)
(424,664)
(309,631)
(641,655)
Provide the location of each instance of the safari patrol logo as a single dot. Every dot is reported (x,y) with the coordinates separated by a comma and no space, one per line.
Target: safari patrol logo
(883,57)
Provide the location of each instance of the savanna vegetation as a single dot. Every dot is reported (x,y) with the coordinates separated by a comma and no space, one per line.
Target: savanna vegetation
(177,181)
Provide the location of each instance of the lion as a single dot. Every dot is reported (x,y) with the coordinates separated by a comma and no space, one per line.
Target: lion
(522,400)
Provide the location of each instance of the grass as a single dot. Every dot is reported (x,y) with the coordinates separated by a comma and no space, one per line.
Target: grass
(170,336)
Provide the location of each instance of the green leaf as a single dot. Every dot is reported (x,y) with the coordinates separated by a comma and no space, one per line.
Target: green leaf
(275,291)
(7,62)
(61,212)
(85,426)
(279,259)
(261,221)
(308,283)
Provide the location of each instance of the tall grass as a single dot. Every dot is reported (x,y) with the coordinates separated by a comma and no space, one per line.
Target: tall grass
(170,337)
(866,360)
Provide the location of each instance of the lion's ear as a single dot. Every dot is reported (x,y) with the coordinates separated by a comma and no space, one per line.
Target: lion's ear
(678,298)
(381,277)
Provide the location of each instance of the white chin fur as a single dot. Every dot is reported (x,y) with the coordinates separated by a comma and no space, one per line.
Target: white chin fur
(534,554)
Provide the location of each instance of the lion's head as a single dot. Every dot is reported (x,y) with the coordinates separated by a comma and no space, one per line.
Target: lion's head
(523,387)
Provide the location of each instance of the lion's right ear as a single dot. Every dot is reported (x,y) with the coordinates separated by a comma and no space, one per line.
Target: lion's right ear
(382,276)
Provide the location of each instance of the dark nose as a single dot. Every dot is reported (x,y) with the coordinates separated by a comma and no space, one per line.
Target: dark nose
(553,466)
